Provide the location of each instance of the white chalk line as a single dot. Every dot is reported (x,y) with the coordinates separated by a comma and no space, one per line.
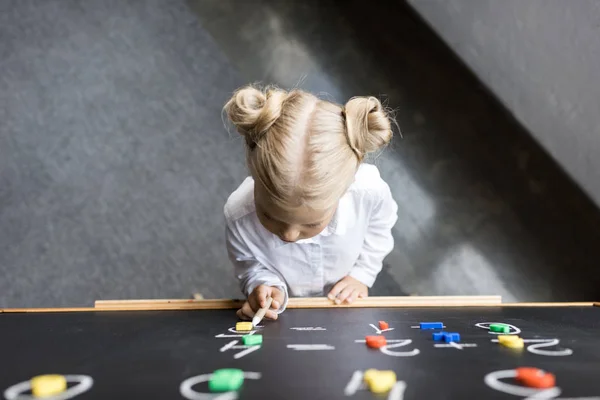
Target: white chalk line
(428,329)
(386,349)
(446,345)
(387,340)
(493,381)
(308,328)
(307,347)
(354,383)
(246,352)
(233,330)
(221,335)
(570,398)
(228,345)
(527,340)
(377,330)
(486,325)
(397,392)
(185,389)
(534,348)
(83,384)
(455,345)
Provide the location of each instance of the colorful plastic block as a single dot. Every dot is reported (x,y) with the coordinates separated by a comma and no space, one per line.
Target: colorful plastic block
(243,326)
(383,325)
(511,341)
(431,325)
(502,328)
(226,380)
(535,378)
(437,336)
(48,385)
(452,337)
(375,342)
(379,381)
(252,340)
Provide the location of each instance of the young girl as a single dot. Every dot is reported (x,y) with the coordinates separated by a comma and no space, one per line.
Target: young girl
(312,219)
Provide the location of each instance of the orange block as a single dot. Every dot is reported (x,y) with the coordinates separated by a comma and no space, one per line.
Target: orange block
(535,378)
(376,342)
(383,325)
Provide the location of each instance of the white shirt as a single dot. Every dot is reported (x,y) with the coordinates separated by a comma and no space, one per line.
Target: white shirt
(354,243)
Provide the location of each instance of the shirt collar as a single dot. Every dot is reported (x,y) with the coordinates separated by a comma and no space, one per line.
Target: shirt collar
(340,223)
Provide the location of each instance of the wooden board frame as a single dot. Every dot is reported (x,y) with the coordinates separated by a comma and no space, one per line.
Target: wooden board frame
(306,302)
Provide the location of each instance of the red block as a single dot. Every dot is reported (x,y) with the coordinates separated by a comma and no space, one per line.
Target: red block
(383,325)
(376,342)
(535,378)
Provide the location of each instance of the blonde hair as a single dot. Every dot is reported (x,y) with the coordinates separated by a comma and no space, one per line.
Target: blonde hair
(303,150)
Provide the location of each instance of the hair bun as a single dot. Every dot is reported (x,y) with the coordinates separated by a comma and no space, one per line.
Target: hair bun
(254,111)
(367,125)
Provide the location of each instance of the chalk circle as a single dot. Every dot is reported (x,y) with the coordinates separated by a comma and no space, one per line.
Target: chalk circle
(186,388)
(386,349)
(83,383)
(513,330)
(493,380)
(232,330)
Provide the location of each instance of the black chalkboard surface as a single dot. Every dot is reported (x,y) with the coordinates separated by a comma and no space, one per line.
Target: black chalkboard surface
(307,354)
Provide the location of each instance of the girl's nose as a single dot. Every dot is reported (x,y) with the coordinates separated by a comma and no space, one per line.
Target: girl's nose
(290,235)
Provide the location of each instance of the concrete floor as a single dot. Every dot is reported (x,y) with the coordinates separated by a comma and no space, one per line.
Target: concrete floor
(115,165)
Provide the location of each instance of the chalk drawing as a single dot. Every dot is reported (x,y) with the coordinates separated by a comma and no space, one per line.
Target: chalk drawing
(397,392)
(493,381)
(386,349)
(246,352)
(186,388)
(308,328)
(83,383)
(354,384)
(513,330)
(305,347)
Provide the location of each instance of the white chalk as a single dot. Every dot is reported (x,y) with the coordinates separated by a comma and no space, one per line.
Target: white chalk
(260,314)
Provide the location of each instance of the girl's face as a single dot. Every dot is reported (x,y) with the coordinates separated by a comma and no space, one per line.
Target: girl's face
(302,223)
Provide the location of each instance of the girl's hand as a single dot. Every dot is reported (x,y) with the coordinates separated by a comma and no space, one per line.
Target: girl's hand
(348,289)
(258,299)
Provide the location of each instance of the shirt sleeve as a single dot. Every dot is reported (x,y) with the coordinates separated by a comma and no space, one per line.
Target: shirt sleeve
(379,241)
(249,272)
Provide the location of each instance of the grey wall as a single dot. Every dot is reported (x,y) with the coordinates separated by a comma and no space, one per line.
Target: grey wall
(542,59)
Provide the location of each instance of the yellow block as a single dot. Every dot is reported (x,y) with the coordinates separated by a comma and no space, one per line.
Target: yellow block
(243,326)
(379,381)
(507,338)
(511,341)
(48,385)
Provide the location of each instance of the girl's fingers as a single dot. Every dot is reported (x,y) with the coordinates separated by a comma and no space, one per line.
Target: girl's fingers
(278,298)
(271,315)
(262,292)
(241,315)
(245,312)
(335,291)
(344,294)
(353,296)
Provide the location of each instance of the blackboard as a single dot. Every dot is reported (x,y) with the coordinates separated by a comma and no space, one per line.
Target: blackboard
(148,354)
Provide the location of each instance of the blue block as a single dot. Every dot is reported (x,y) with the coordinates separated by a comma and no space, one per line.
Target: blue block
(437,336)
(431,325)
(452,337)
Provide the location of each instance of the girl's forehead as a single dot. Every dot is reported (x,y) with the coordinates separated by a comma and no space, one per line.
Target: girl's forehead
(298,215)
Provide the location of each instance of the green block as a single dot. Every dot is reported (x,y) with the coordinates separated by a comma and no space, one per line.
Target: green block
(252,340)
(500,328)
(226,380)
